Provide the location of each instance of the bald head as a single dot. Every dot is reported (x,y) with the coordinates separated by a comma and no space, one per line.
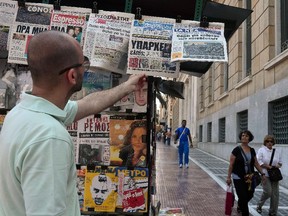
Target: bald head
(51,51)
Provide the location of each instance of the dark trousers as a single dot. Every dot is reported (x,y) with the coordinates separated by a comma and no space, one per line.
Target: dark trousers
(244,195)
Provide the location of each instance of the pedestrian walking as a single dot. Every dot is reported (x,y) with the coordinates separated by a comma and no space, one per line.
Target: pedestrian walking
(242,161)
(183,134)
(270,188)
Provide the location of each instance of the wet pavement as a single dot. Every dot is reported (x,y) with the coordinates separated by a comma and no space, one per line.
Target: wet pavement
(200,189)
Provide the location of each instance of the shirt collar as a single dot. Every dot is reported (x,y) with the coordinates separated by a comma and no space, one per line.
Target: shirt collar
(39,104)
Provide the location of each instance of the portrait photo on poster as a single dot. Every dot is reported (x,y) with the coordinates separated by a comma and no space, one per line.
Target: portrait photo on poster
(140,99)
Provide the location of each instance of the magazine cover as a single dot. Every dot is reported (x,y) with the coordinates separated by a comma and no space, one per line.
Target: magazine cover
(132,189)
(93,140)
(80,184)
(128,144)
(93,80)
(100,192)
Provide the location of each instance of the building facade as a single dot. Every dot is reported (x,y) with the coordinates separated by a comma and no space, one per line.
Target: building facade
(250,91)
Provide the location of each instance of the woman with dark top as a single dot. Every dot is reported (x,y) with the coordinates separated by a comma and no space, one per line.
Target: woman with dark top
(133,152)
(238,168)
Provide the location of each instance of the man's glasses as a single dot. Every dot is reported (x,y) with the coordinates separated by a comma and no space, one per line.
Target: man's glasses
(85,64)
(271,141)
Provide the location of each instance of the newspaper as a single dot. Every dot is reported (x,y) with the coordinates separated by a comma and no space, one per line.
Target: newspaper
(107,40)
(191,42)
(72,130)
(30,20)
(93,140)
(150,47)
(71,20)
(8,12)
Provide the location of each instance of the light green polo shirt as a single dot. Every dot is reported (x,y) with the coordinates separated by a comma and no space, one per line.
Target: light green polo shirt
(37,168)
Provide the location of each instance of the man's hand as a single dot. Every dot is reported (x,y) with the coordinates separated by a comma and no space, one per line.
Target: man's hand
(135,82)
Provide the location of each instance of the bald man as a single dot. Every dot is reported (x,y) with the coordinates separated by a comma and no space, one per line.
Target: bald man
(37,169)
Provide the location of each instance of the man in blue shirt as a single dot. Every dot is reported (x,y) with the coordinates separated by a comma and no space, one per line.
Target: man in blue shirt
(183,134)
(37,168)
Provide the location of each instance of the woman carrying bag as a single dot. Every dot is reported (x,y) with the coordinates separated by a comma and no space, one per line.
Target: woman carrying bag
(268,160)
(239,168)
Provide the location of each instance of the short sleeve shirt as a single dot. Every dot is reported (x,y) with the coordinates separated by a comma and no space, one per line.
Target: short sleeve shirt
(38,172)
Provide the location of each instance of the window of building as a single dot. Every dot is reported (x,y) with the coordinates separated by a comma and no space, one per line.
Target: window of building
(278,120)
(222,130)
(226,77)
(242,120)
(284,25)
(201,92)
(200,133)
(211,83)
(247,57)
(209,132)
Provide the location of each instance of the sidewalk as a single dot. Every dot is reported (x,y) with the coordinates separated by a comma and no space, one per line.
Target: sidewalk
(200,189)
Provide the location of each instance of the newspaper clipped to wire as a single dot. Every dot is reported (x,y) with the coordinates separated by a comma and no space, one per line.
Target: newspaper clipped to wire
(30,20)
(8,12)
(71,20)
(150,47)
(194,43)
(107,39)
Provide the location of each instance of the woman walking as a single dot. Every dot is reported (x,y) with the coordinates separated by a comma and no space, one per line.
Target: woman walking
(270,188)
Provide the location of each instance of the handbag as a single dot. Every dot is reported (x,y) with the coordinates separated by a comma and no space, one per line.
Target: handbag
(274,173)
(230,198)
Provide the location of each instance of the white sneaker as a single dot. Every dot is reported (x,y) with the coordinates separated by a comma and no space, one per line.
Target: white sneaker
(180,166)
(187,166)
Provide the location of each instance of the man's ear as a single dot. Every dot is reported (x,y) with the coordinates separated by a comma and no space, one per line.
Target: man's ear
(72,76)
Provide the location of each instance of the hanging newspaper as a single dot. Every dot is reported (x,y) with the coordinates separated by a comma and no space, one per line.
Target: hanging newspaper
(150,47)
(194,43)
(30,20)
(72,21)
(107,37)
(8,12)
(72,130)
(93,140)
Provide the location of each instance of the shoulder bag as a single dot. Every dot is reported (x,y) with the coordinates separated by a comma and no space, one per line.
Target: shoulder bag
(274,173)
(178,142)
(253,179)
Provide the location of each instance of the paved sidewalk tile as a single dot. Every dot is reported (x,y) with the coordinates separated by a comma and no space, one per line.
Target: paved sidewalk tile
(189,188)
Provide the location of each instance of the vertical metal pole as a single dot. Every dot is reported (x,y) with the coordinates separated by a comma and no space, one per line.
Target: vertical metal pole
(128,6)
(198,10)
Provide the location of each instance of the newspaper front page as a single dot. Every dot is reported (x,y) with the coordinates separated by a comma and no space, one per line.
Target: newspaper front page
(71,20)
(194,43)
(150,47)
(8,12)
(30,20)
(107,39)
(93,140)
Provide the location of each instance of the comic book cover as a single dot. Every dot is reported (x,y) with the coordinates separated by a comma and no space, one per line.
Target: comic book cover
(100,192)
(93,140)
(128,145)
(132,189)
